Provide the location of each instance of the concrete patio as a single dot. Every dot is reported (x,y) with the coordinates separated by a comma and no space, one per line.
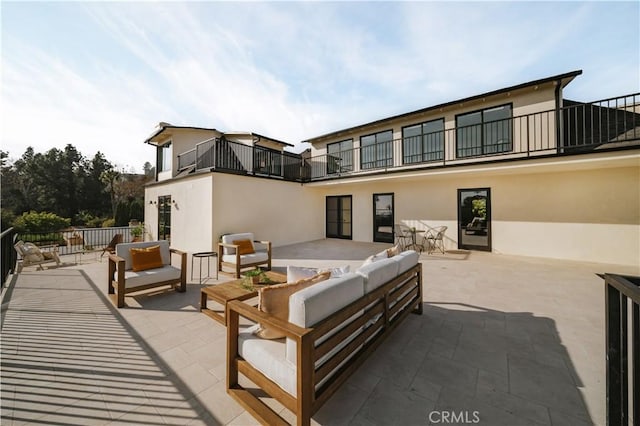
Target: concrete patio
(503,340)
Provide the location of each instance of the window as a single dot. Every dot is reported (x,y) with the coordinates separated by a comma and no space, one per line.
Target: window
(340,157)
(484,132)
(423,142)
(164,157)
(376,150)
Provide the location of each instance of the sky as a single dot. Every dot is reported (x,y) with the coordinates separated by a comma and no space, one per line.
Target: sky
(101,75)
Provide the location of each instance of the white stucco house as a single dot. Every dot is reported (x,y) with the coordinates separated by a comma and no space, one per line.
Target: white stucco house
(519,170)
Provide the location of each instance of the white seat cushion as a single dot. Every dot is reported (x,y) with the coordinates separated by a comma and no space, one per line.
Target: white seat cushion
(377,273)
(150,276)
(122,250)
(247,259)
(268,356)
(406,260)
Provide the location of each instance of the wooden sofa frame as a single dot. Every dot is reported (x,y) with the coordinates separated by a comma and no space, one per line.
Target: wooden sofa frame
(236,266)
(117,281)
(394,300)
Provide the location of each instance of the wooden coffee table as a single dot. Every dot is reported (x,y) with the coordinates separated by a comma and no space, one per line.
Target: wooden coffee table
(231,290)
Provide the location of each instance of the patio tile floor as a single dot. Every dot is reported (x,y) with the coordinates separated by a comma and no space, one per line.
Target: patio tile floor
(511,340)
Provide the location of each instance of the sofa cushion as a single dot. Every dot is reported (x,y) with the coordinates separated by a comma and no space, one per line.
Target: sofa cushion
(313,304)
(406,260)
(268,356)
(145,258)
(274,300)
(122,250)
(377,273)
(150,276)
(244,246)
(229,238)
(247,259)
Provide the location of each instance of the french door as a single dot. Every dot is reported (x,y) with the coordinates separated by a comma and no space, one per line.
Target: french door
(474,219)
(164,217)
(338,217)
(383,218)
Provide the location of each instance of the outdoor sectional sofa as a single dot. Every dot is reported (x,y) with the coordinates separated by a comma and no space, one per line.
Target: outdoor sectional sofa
(122,279)
(332,327)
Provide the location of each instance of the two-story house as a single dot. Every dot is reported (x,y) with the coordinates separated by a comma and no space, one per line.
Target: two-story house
(519,170)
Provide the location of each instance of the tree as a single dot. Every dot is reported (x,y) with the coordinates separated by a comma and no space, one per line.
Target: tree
(109,178)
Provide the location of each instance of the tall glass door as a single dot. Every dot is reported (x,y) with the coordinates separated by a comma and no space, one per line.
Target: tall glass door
(383,218)
(338,216)
(164,217)
(474,219)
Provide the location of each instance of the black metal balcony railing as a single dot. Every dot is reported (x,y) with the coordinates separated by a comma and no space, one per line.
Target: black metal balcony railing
(577,127)
(9,255)
(622,306)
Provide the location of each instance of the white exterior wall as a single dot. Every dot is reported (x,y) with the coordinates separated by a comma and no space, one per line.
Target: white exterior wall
(191,214)
(275,210)
(591,213)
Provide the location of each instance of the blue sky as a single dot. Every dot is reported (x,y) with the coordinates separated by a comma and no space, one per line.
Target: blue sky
(101,75)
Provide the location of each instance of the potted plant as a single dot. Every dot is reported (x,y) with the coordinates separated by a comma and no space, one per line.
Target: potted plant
(136,233)
(254,275)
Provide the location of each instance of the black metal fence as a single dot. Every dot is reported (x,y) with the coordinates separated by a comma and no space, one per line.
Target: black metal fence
(622,305)
(77,240)
(8,253)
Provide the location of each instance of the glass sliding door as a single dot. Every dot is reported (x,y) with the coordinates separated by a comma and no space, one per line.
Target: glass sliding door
(474,219)
(164,217)
(383,218)
(338,216)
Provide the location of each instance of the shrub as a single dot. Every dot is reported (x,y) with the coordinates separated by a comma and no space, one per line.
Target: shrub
(122,214)
(109,223)
(40,222)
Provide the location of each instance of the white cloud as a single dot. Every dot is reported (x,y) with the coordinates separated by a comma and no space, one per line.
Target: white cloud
(287,70)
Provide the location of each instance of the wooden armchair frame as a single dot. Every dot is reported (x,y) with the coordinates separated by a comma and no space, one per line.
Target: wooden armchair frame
(117,282)
(237,266)
(394,300)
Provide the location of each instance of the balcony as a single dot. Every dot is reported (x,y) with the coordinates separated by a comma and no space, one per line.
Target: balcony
(577,128)
(502,337)
(219,154)
(610,124)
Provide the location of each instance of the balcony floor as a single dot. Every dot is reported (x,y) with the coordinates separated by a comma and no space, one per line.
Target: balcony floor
(513,340)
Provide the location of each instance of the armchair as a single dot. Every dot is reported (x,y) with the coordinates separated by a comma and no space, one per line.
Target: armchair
(238,251)
(32,255)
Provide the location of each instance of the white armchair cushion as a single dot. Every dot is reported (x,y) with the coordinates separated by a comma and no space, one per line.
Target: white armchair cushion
(230,238)
(122,250)
(377,273)
(247,259)
(151,276)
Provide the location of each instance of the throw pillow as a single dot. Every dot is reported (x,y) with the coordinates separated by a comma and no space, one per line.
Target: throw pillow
(296,273)
(375,257)
(393,251)
(274,300)
(145,258)
(245,246)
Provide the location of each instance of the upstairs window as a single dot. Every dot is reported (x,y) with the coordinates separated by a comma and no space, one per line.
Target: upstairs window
(376,150)
(164,157)
(340,157)
(423,142)
(488,131)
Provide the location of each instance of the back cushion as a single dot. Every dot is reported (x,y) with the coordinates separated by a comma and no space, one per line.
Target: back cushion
(228,239)
(145,258)
(406,260)
(122,250)
(313,304)
(377,273)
